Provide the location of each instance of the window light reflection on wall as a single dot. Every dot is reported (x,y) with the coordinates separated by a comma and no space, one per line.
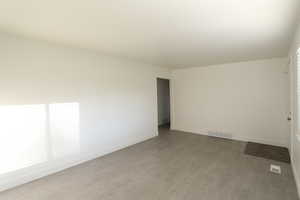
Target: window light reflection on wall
(33,134)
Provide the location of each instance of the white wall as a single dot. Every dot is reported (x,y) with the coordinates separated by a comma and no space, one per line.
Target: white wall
(295,143)
(117,98)
(244,101)
(163,101)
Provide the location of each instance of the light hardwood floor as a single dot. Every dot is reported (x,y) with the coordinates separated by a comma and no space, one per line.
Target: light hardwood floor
(172,166)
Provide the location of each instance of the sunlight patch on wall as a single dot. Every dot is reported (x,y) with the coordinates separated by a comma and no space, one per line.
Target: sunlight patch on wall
(64,128)
(22,136)
(34,134)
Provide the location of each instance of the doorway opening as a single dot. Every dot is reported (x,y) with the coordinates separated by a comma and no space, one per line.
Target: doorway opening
(163,104)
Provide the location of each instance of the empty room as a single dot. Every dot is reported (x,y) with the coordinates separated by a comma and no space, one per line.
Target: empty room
(150,100)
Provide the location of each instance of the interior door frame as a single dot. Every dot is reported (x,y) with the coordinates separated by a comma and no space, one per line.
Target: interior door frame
(171,100)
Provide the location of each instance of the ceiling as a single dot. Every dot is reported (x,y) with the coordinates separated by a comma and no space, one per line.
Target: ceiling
(171,33)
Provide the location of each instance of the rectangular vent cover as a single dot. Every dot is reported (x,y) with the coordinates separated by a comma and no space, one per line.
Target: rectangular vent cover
(275,169)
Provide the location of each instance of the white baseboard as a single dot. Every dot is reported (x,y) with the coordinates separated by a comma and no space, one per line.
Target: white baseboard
(234,137)
(295,172)
(16,178)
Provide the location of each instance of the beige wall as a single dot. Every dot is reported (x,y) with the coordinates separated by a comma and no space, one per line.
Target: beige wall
(117,98)
(244,101)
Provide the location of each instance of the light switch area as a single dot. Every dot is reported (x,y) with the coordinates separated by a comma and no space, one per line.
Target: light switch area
(298,137)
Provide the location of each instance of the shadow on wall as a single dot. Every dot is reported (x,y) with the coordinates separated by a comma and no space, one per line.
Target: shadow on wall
(33,134)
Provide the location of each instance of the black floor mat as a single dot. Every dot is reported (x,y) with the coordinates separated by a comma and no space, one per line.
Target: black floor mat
(268,151)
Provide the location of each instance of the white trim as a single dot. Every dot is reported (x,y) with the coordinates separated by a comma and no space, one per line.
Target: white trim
(295,172)
(294,137)
(237,138)
(296,90)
